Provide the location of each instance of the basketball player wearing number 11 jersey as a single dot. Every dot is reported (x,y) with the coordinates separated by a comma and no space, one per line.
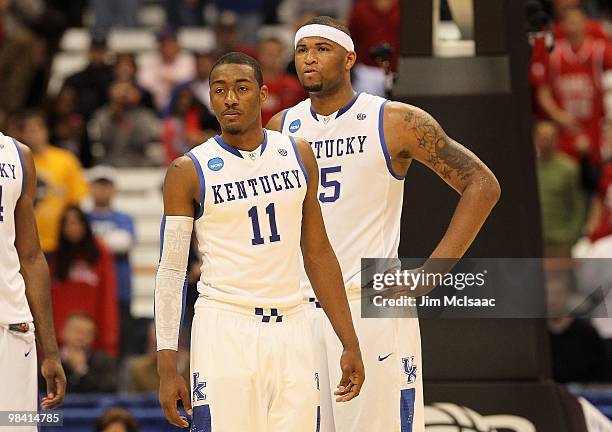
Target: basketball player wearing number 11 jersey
(254,191)
(364,145)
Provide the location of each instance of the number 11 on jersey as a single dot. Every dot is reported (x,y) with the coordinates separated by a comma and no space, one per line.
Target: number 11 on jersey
(257,238)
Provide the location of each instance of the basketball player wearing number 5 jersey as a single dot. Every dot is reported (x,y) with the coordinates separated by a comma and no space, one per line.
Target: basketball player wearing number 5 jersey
(255,195)
(25,298)
(364,145)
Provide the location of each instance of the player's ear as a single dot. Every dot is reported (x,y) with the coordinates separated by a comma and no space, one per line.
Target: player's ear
(351,58)
(263,93)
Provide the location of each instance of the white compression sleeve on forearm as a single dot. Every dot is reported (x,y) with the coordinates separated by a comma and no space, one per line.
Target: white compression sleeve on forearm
(170,280)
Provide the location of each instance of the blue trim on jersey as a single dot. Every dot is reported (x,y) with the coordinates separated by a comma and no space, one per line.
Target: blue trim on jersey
(318,418)
(283,120)
(341,111)
(348,106)
(407,409)
(201,421)
(383,143)
(23,171)
(265,142)
(314,114)
(299,159)
(162,228)
(227,147)
(202,182)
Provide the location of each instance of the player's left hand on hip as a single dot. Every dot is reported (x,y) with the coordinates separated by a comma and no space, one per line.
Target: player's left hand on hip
(353,375)
(53,373)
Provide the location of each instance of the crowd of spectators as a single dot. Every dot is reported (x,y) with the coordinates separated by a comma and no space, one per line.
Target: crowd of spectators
(572,93)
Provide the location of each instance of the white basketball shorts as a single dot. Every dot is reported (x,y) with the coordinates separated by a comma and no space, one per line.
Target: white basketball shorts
(252,369)
(18,374)
(391,399)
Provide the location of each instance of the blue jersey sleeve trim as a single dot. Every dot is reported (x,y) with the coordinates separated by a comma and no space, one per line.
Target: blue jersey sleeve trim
(383,142)
(23,171)
(283,120)
(299,159)
(202,183)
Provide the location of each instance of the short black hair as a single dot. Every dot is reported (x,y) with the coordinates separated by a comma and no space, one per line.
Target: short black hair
(328,21)
(241,59)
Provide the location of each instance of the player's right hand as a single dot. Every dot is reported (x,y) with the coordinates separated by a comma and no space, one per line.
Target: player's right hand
(53,372)
(353,375)
(171,389)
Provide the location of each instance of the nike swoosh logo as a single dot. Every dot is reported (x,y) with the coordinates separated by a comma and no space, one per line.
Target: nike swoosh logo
(28,353)
(383,358)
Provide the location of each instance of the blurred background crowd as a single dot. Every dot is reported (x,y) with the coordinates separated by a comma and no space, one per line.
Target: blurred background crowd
(108,92)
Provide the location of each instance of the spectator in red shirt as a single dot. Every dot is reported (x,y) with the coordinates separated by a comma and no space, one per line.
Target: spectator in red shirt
(600,217)
(284,90)
(570,88)
(373,22)
(83,280)
(593,28)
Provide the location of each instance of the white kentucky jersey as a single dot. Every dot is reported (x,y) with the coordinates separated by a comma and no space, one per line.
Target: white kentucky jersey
(250,225)
(360,196)
(13,303)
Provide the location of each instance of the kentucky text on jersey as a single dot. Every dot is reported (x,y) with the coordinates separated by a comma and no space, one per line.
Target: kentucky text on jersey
(265,184)
(339,147)
(7,171)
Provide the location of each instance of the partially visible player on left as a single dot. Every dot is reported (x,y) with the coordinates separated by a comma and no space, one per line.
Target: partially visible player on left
(25,298)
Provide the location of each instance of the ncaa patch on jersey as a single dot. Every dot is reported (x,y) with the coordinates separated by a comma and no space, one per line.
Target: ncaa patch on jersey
(295,126)
(215,164)
(282,152)
(361,116)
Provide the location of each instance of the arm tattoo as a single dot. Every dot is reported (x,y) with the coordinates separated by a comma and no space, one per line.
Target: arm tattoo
(444,155)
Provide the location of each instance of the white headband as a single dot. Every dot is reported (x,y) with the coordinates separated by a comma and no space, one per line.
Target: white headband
(327,32)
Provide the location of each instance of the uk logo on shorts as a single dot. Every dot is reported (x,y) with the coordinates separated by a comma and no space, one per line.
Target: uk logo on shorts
(295,126)
(199,392)
(215,164)
(410,369)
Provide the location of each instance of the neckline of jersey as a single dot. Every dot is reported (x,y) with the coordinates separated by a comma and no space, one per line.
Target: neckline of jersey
(340,111)
(233,150)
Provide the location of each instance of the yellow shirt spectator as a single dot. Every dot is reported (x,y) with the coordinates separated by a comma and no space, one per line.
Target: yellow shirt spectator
(61,182)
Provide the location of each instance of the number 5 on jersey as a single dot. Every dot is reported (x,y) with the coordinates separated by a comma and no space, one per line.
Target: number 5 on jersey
(327,183)
(257,238)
